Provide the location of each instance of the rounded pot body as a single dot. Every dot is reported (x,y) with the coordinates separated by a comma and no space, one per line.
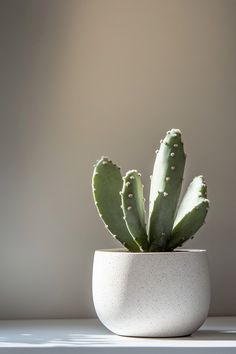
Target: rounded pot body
(161,294)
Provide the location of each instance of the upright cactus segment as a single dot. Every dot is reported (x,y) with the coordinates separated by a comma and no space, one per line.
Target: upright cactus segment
(191,213)
(134,209)
(107,184)
(165,189)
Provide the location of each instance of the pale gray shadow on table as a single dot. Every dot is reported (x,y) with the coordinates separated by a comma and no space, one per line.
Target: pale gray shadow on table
(60,337)
(80,339)
(91,339)
(214,335)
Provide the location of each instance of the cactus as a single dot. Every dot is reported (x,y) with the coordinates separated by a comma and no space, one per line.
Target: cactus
(120,203)
(107,184)
(134,209)
(165,189)
(191,213)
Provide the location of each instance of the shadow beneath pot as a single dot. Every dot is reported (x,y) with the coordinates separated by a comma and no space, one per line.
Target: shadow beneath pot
(213,334)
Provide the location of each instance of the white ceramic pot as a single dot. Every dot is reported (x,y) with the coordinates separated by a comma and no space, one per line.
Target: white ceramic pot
(162,294)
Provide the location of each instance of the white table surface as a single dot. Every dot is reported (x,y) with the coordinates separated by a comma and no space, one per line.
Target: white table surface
(217,335)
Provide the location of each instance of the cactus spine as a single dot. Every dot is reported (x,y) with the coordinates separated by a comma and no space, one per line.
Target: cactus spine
(120,202)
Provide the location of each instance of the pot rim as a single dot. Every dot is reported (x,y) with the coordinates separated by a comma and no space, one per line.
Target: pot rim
(177,251)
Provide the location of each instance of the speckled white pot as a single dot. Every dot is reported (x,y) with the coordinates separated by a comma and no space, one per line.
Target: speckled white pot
(164,294)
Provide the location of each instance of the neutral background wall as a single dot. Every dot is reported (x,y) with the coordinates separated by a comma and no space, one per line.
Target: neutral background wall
(81,79)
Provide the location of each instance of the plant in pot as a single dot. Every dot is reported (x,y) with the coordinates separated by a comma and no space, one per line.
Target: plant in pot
(151,287)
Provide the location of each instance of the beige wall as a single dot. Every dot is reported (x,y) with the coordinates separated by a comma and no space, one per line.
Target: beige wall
(84,78)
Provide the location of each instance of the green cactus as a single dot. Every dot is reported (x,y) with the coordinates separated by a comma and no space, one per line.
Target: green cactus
(165,189)
(121,203)
(107,184)
(134,209)
(191,213)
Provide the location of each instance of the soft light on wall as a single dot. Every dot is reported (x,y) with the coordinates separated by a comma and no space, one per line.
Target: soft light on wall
(85,78)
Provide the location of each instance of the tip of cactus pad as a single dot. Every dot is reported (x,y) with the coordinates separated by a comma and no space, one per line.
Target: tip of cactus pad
(131,171)
(175,131)
(104,157)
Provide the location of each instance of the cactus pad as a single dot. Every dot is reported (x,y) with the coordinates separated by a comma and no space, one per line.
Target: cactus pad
(191,213)
(134,209)
(165,189)
(107,184)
